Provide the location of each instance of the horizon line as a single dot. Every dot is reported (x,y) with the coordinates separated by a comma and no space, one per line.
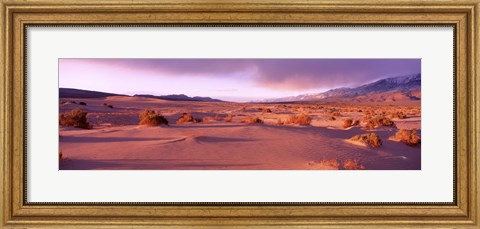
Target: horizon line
(223,100)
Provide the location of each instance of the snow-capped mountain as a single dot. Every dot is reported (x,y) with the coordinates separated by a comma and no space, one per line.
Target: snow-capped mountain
(405,85)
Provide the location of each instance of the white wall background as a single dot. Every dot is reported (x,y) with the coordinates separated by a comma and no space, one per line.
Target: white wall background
(431,184)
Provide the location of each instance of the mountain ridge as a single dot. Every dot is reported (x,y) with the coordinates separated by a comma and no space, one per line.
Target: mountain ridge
(81,93)
(406,85)
(179,97)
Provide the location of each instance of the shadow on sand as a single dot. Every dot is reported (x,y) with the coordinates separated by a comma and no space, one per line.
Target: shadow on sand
(81,139)
(147,164)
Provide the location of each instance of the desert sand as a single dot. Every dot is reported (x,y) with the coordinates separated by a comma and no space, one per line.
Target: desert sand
(116,141)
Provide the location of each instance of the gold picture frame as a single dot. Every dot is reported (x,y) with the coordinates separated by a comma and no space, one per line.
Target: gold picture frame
(17,14)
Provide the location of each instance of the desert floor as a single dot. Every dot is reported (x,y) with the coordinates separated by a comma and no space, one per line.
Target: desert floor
(118,142)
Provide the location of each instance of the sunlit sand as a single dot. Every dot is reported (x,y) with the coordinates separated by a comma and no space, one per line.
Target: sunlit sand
(117,141)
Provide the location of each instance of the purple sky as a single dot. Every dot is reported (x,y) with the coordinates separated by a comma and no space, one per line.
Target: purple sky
(227,79)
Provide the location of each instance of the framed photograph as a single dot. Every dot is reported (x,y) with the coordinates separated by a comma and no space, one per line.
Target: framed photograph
(339,128)
(239,114)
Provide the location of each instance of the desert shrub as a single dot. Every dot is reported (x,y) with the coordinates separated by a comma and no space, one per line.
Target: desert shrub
(329,165)
(154,120)
(146,113)
(347,123)
(386,122)
(186,117)
(299,119)
(151,118)
(352,165)
(218,118)
(332,118)
(414,112)
(73,102)
(63,102)
(280,122)
(408,137)
(337,165)
(60,155)
(370,125)
(252,120)
(267,110)
(108,105)
(379,121)
(207,119)
(82,103)
(366,117)
(336,114)
(399,115)
(371,139)
(76,118)
(229,118)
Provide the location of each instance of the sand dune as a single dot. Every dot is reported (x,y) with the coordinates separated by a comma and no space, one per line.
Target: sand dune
(118,142)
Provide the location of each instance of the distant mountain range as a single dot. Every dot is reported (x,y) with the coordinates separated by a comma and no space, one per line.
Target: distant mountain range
(395,89)
(387,90)
(180,97)
(78,93)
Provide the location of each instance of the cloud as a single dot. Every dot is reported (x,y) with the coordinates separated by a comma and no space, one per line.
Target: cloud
(225,90)
(300,74)
(179,67)
(276,74)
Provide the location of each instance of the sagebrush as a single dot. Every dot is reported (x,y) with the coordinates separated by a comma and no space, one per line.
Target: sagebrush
(186,117)
(252,120)
(151,118)
(371,139)
(409,137)
(299,119)
(76,118)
